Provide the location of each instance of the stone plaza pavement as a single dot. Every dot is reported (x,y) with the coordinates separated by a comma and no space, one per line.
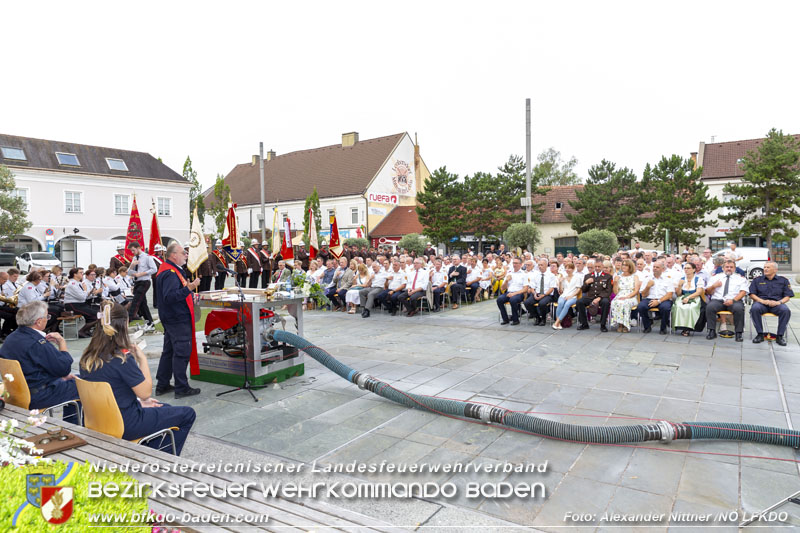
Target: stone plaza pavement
(585,377)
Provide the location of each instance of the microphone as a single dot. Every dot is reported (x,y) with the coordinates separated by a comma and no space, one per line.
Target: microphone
(221,268)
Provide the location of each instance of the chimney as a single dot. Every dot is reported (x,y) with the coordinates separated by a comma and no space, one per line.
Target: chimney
(255,160)
(349,139)
(416,162)
(701,152)
(693,157)
(270,155)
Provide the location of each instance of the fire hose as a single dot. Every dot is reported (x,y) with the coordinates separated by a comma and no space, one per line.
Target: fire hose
(662,430)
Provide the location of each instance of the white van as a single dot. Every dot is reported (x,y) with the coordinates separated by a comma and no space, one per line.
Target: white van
(753,259)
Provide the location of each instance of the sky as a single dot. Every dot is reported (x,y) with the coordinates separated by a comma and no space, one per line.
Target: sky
(624,81)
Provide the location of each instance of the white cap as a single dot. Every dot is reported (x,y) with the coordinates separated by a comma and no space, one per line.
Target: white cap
(186,244)
(157,248)
(218,243)
(120,245)
(265,243)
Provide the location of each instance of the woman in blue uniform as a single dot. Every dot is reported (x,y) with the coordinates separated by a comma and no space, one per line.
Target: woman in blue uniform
(112,358)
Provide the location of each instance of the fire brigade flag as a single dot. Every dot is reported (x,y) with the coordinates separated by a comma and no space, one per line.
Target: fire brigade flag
(135,233)
(286,246)
(335,246)
(197,245)
(276,233)
(313,243)
(155,233)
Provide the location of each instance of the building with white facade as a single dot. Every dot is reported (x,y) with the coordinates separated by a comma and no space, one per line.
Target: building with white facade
(77,192)
(360,181)
(721,164)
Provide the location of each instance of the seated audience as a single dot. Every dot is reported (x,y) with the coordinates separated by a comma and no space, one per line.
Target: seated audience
(345,280)
(626,289)
(75,296)
(396,289)
(362,280)
(687,309)
(726,291)
(416,286)
(541,284)
(46,368)
(515,288)
(596,289)
(770,294)
(569,285)
(378,283)
(656,295)
(438,284)
(457,277)
(113,358)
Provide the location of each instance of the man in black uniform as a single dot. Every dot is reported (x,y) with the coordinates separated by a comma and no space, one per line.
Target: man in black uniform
(46,368)
(175,314)
(266,264)
(219,254)
(597,287)
(253,259)
(206,274)
(770,294)
(241,270)
(457,279)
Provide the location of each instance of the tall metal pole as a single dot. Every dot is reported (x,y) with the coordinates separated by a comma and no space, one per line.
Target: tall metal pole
(528,160)
(263,209)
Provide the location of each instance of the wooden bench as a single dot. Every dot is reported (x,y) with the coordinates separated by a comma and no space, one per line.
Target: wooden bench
(67,321)
(284,514)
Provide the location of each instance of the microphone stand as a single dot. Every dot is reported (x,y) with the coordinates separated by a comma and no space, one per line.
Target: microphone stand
(240,315)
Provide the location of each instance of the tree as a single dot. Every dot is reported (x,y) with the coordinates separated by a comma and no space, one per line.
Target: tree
(609,200)
(511,185)
(219,209)
(489,206)
(601,241)
(412,242)
(674,199)
(196,192)
(551,170)
(312,202)
(13,219)
(765,201)
(358,241)
(440,206)
(523,236)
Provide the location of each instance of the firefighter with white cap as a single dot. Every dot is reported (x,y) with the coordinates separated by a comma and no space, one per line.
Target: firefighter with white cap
(266,264)
(119,259)
(217,257)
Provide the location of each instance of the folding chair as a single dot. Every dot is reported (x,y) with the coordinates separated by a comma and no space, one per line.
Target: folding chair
(724,333)
(101,413)
(18,392)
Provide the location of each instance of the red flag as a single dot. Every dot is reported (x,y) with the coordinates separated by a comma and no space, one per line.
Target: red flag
(286,245)
(335,246)
(313,244)
(135,233)
(155,233)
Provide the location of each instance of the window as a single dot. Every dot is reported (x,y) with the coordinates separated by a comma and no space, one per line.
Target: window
(73,202)
(116,164)
(354,215)
(717,243)
(331,214)
(121,204)
(21,193)
(284,216)
(559,205)
(164,206)
(725,210)
(67,159)
(13,153)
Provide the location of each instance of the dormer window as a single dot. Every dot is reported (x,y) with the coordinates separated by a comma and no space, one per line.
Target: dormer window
(116,164)
(10,152)
(558,206)
(67,159)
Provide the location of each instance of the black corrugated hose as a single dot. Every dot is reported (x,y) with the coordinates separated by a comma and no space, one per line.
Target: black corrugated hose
(662,430)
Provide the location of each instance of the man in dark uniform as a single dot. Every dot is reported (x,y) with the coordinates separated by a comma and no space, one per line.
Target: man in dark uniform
(206,273)
(176,316)
(219,254)
(240,267)
(266,264)
(597,287)
(429,250)
(46,368)
(301,257)
(119,259)
(253,260)
(457,279)
(770,294)
(324,254)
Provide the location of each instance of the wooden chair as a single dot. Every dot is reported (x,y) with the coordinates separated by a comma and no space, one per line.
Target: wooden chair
(769,337)
(724,333)
(101,412)
(20,394)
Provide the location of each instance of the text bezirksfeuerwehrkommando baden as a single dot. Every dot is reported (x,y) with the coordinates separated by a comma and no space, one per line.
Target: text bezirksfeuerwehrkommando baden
(251,467)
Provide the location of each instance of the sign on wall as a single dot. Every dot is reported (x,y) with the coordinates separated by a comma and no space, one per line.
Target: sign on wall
(383,198)
(380,211)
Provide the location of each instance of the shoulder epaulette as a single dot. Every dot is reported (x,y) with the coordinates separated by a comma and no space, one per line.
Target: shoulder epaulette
(42,341)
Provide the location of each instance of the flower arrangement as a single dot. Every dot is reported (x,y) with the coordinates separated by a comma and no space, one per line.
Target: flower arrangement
(3,392)
(14,449)
(309,288)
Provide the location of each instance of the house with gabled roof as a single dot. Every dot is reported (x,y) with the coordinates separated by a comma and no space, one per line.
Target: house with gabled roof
(76,192)
(360,181)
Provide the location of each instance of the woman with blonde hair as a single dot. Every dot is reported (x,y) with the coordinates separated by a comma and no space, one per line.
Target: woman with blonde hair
(498,276)
(362,279)
(113,358)
(626,289)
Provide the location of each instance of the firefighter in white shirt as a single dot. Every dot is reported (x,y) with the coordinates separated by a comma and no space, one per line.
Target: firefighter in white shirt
(516,287)
(726,291)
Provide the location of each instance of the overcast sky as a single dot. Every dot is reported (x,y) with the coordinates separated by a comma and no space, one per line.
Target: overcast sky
(626,81)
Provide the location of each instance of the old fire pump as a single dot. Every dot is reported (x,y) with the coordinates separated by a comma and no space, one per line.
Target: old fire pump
(230,344)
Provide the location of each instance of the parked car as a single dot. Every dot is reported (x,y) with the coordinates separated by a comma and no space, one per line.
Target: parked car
(27,260)
(753,259)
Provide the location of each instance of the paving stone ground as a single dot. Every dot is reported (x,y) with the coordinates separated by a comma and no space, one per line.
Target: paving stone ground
(584,377)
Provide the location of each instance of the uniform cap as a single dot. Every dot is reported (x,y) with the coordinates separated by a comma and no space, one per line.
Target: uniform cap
(120,245)
(265,243)
(218,243)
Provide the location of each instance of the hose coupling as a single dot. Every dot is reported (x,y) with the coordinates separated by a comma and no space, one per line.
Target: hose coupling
(667,431)
(362,380)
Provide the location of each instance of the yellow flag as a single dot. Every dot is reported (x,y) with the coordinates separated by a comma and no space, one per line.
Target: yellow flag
(197,245)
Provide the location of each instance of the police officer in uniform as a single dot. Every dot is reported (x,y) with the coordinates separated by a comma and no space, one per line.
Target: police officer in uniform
(177,319)
(46,368)
(770,294)
(253,259)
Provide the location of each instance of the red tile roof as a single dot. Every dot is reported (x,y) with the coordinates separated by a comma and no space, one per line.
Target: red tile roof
(400,221)
(335,171)
(720,160)
(560,193)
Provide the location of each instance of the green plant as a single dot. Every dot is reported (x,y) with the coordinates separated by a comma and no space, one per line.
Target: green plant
(597,241)
(12,496)
(523,236)
(309,287)
(412,242)
(358,241)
